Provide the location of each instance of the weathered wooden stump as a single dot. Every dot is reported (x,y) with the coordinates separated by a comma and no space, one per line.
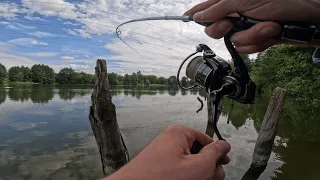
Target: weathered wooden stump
(104,123)
(267,133)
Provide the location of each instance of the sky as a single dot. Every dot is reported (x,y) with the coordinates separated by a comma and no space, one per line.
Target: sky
(75,33)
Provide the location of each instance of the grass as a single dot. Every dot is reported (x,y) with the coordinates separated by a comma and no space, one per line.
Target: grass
(157,85)
(21,83)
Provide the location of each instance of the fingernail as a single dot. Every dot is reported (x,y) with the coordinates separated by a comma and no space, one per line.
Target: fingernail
(198,16)
(270,31)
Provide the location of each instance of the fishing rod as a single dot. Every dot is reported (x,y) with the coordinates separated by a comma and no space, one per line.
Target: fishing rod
(215,75)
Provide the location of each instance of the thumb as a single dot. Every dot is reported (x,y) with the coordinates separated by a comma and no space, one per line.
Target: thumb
(215,152)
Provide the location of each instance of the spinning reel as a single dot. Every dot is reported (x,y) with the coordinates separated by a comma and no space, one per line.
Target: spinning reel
(216,77)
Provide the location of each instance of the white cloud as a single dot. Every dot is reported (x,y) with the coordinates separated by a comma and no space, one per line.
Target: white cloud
(34,18)
(8,10)
(4,22)
(67,58)
(12,27)
(59,8)
(16,26)
(70,23)
(4,47)
(41,34)
(162,45)
(42,54)
(9,60)
(79,67)
(83,33)
(27,42)
(70,31)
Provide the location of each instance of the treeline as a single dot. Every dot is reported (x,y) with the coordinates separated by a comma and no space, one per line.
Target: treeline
(289,67)
(44,74)
(140,79)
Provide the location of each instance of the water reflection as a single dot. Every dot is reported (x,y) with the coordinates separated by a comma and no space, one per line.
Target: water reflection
(298,136)
(3,95)
(45,132)
(43,94)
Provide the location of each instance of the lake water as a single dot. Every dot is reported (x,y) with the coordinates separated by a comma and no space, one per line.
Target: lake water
(45,132)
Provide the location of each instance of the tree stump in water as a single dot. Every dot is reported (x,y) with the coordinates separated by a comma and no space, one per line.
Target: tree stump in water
(104,123)
(267,133)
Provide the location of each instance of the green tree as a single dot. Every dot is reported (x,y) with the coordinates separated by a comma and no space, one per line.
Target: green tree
(172,81)
(113,79)
(19,77)
(184,82)
(13,74)
(162,80)
(134,79)
(127,80)
(147,82)
(289,67)
(153,79)
(3,72)
(120,80)
(42,74)
(66,76)
(141,78)
(26,73)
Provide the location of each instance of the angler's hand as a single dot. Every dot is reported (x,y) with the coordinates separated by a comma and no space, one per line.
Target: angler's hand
(168,157)
(260,36)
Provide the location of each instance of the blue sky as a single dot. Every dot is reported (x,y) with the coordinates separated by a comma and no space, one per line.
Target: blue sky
(74,34)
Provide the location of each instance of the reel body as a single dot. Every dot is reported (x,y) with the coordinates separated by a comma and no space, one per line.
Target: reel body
(215,75)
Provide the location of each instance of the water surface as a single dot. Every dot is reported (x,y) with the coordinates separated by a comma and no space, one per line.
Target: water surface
(45,132)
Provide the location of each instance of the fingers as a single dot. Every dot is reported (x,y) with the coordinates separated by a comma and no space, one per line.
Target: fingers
(259,33)
(200,7)
(219,173)
(225,160)
(215,152)
(219,29)
(216,11)
(190,134)
(200,137)
(256,47)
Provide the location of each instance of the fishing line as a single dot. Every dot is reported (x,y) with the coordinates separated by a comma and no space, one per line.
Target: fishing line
(173,18)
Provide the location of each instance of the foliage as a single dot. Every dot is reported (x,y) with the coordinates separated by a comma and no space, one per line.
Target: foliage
(162,80)
(13,73)
(291,68)
(26,71)
(138,79)
(19,74)
(66,76)
(247,61)
(42,74)
(3,72)
(172,81)
(84,78)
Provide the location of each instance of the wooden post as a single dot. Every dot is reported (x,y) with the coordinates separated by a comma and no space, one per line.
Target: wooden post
(104,123)
(267,133)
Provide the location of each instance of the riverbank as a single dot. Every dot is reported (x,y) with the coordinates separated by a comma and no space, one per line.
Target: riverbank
(5,82)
